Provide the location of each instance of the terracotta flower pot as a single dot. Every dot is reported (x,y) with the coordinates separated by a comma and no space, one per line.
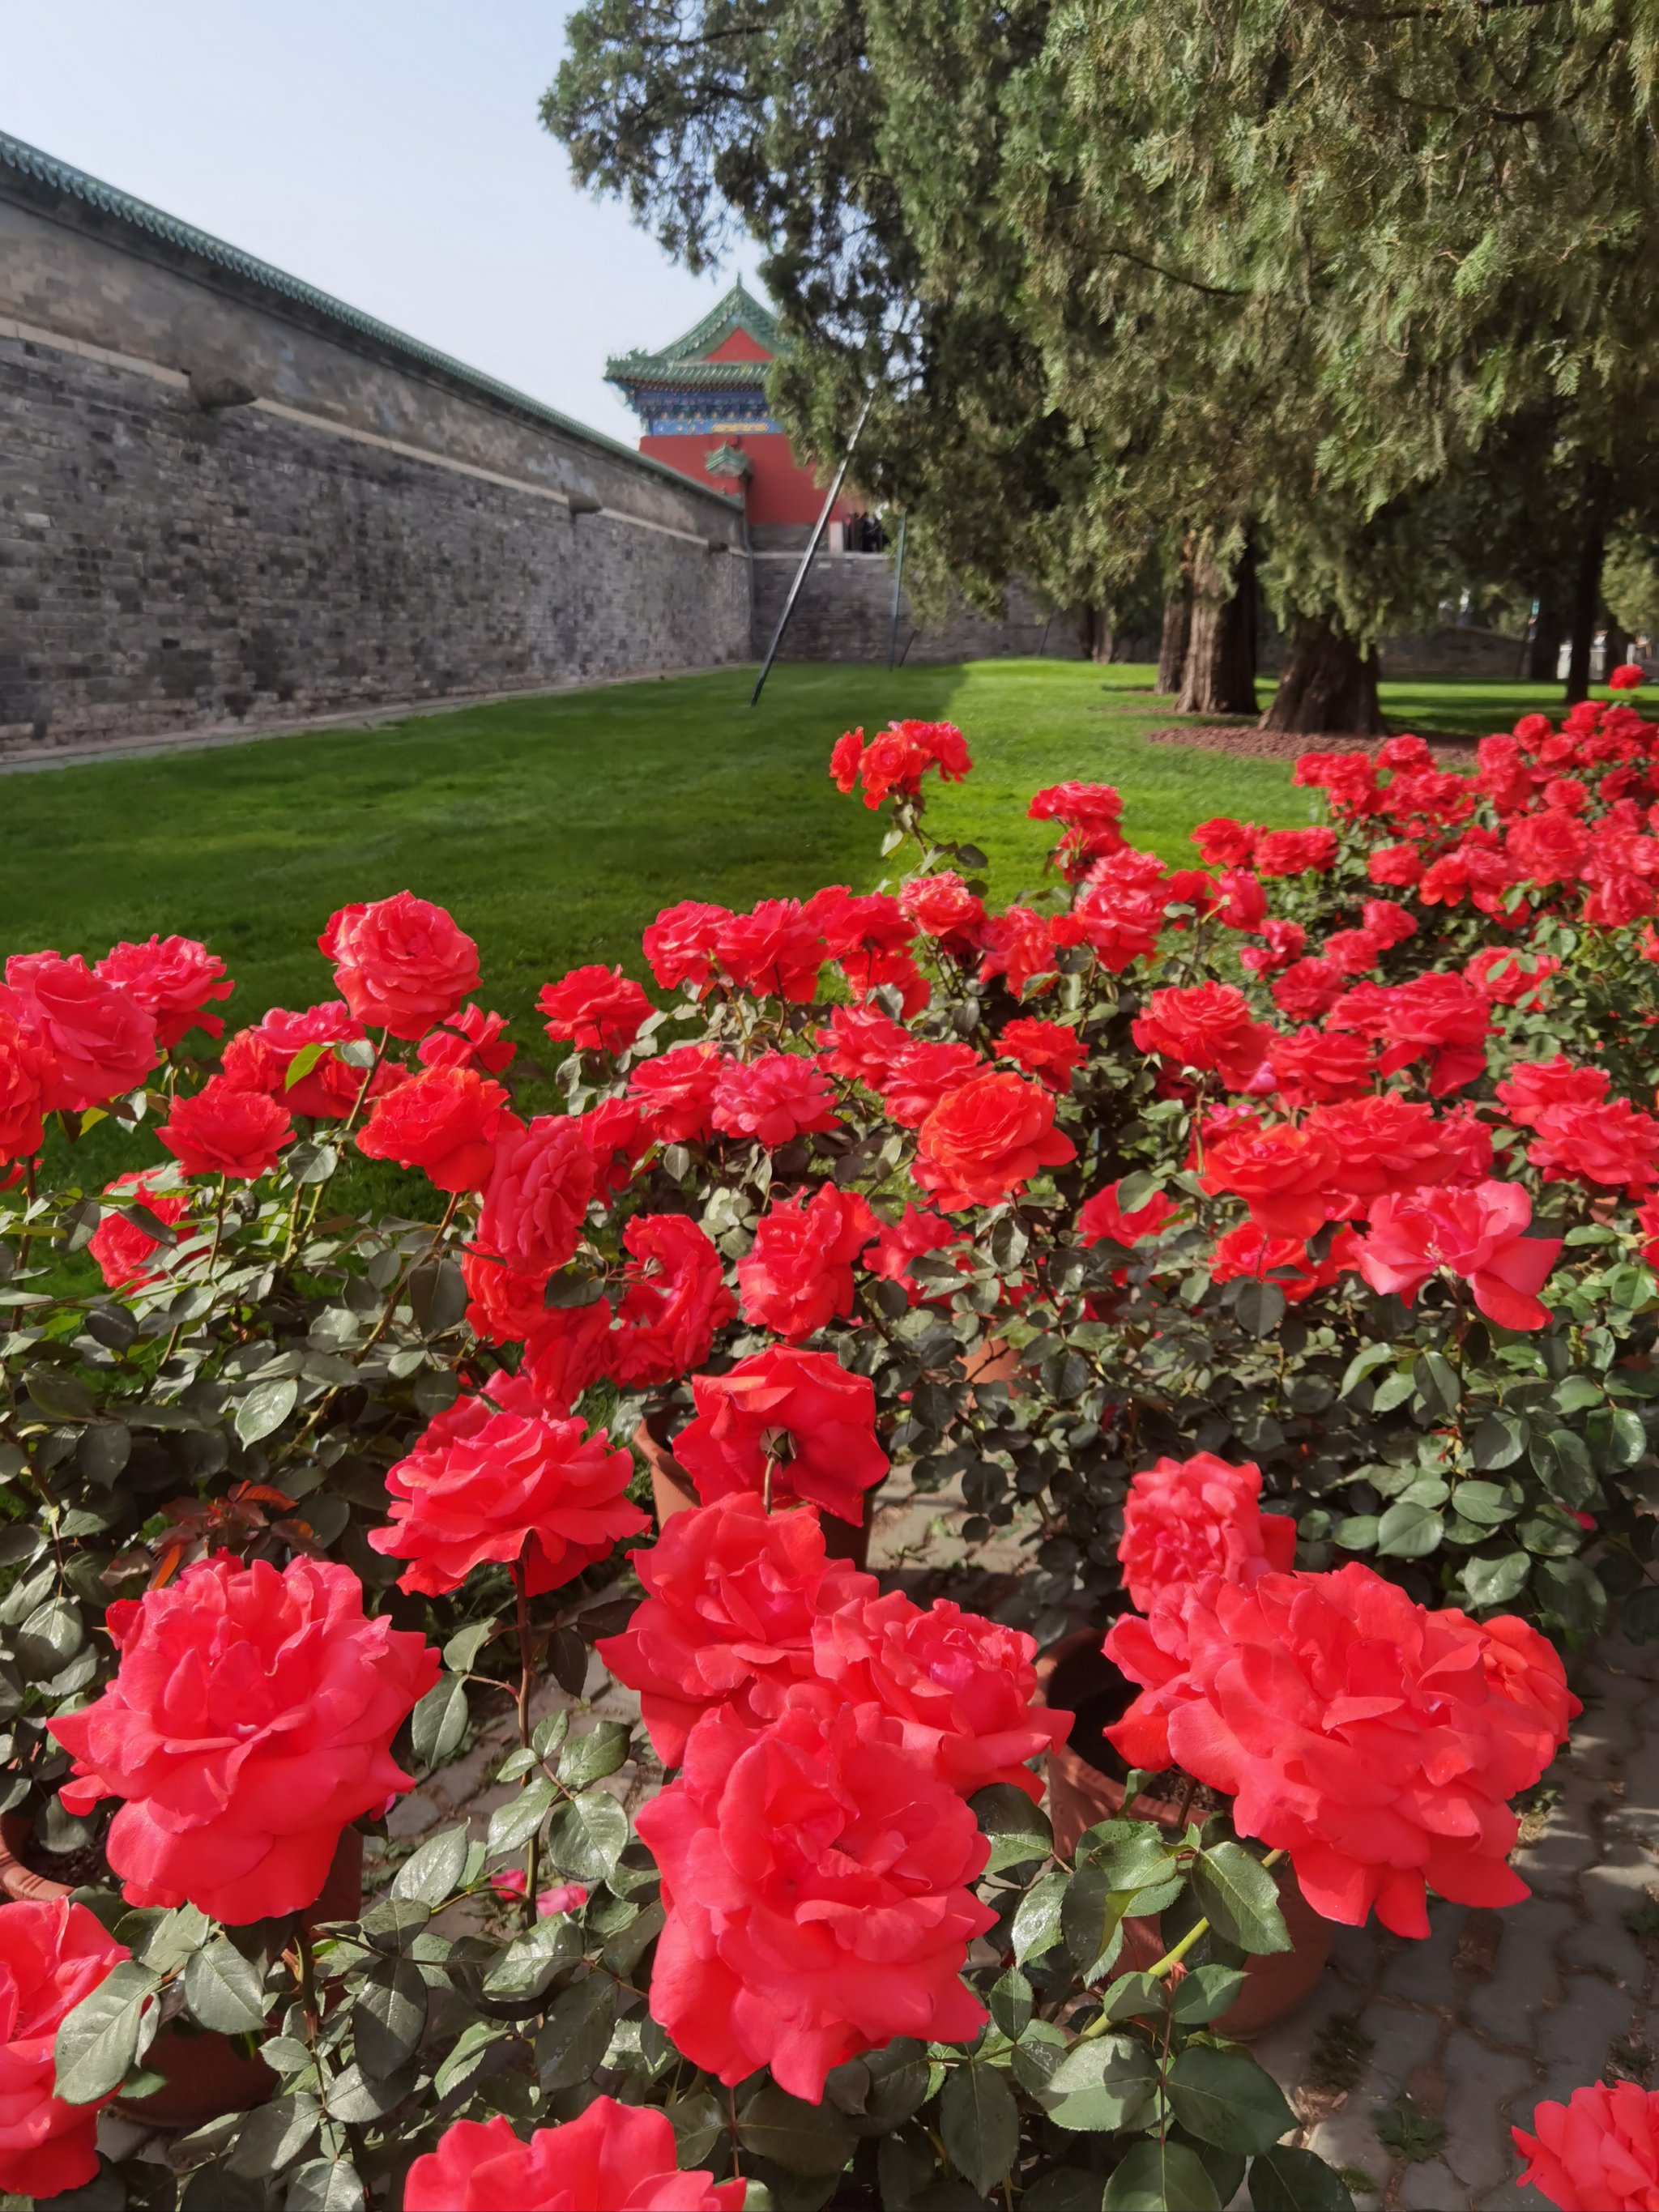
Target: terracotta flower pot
(673,1490)
(208,2073)
(1085,1784)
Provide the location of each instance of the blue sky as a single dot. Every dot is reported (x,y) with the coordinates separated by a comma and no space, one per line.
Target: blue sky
(389,152)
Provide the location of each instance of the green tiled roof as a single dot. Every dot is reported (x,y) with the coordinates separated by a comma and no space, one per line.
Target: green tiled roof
(63,178)
(683,363)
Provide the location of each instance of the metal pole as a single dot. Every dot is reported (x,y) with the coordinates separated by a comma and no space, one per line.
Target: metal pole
(811,549)
(898,592)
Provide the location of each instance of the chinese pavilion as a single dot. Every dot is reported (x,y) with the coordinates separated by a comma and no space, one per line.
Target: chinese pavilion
(703,407)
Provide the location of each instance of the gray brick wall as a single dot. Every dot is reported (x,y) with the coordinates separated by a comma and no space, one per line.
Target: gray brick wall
(846,608)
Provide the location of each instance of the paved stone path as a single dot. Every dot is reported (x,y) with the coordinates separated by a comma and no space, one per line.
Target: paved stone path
(1412,2059)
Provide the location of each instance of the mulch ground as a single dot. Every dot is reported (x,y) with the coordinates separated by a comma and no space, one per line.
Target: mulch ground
(1249,743)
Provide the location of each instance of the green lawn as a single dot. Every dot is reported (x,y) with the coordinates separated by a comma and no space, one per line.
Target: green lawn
(554,828)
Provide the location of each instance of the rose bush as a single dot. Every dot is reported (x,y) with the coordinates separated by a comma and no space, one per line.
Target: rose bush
(1207,1227)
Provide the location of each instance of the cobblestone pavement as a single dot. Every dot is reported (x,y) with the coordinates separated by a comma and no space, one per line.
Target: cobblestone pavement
(1411,2060)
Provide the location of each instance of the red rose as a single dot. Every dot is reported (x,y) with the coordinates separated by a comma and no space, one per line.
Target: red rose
(251,1721)
(1294,852)
(1399,866)
(731,1593)
(100,1041)
(798,1274)
(1286,941)
(869,938)
(1102,1216)
(1285,1261)
(1475,1234)
(964,1687)
(862,1044)
(986,1139)
(1377,1742)
(172,978)
(1019,943)
(776,952)
(504,1481)
(1223,844)
(897,757)
(674,1299)
(536,1199)
(261,1060)
(615,1133)
(1048,1050)
(816,1878)
(445,1121)
(52,1954)
(504,1303)
(846,759)
(1313,1065)
(1208,1027)
(470,1038)
(1387,923)
(680,944)
(121,1249)
(1600,2151)
(1184,1519)
(915,1231)
(1627,677)
(1349,780)
(1384,1143)
(1282,1173)
(594,1009)
(806,1402)
(943,907)
(1083,806)
(1550,847)
(1352,952)
(1307,989)
(1242,903)
(922,1074)
(1120,923)
(567,1349)
(400,965)
(28,1081)
(615,2158)
(1533,1087)
(676,1093)
(223,1131)
(774,1098)
(1612,1143)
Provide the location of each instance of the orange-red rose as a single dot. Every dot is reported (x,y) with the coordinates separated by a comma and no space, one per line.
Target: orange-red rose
(400,964)
(447,1121)
(1600,2151)
(986,1139)
(51,1955)
(220,1130)
(804,1404)
(614,2158)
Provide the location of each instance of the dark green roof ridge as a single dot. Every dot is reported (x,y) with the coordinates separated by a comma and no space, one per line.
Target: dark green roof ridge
(108,199)
(681,361)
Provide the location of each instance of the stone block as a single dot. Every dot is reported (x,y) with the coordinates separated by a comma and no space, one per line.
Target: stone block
(1480,2084)
(1423,1972)
(1429,2185)
(1526,1977)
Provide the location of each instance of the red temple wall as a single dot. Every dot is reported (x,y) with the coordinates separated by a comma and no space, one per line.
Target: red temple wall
(780,489)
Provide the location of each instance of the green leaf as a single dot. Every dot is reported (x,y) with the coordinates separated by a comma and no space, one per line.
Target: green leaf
(801,2138)
(590,1758)
(1011,2000)
(302,1064)
(1161,2176)
(516,1821)
(326,2184)
(1393,1390)
(1286,2180)
(1206,1993)
(466,2054)
(1018,1830)
(1488,1503)
(1091,1921)
(439,1722)
(1240,1899)
(1102,2085)
(437,1296)
(1498,1441)
(1495,1582)
(1436,1382)
(1135,1996)
(103,1451)
(265,1407)
(432,1868)
(49,1640)
(533,1961)
(272,2135)
(588,1837)
(59,1396)
(1409,1531)
(1037,1920)
(224,1990)
(1627,1445)
(1064,2188)
(1568,1593)
(1259,1307)
(576,2034)
(1638,1616)
(98,2041)
(1364,1363)
(1224,2097)
(1131,1854)
(465,1645)
(979,2121)
(388,2018)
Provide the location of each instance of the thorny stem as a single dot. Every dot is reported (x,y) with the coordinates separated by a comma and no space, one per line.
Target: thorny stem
(29,1189)
(731,2125)
(350,1124)
(309,2007)
(526,1676)
(1171,1957)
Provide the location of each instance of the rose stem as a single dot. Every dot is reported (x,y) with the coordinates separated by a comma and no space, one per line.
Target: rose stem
(526,1675)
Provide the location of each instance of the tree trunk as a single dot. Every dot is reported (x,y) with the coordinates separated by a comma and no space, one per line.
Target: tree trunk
(1172,647)
(1220,678)
(1544,646)
(1328,688)
(1618,646)
(1095,630)
(1586,606)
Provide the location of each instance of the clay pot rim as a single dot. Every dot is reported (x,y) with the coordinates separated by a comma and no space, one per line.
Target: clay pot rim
(1163,1811)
